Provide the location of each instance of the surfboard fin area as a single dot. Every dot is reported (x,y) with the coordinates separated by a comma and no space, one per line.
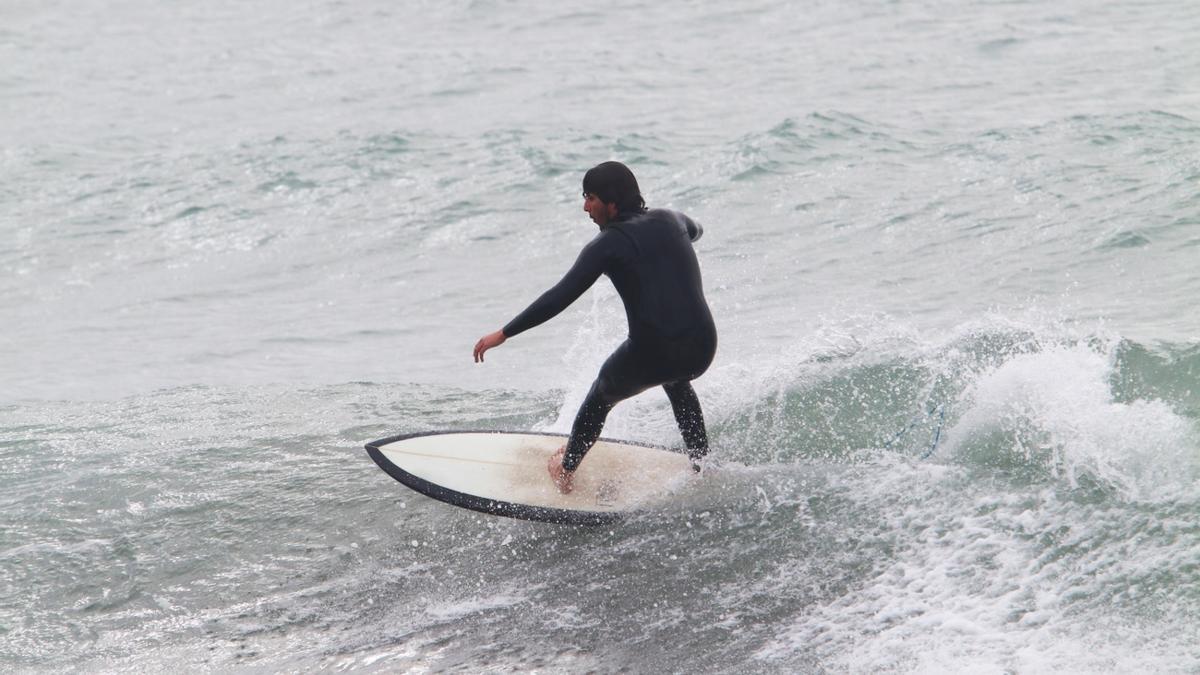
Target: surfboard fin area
(504,473)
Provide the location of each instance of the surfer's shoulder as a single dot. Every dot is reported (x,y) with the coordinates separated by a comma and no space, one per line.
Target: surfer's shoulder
(678,220)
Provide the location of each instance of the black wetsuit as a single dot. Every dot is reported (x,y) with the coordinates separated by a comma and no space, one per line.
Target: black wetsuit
(672,338)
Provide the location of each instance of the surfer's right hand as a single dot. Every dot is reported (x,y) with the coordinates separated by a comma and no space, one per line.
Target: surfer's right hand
(487,342)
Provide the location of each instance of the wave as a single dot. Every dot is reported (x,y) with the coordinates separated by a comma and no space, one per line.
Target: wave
(1081,409)
(864,555)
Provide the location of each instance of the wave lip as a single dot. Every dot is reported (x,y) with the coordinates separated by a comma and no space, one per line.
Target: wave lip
(1037,402)
(1055,411)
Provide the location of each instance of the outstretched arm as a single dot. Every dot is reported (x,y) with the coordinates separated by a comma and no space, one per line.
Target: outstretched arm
(579,278)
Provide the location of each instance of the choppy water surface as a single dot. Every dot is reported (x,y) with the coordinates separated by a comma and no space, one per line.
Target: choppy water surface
(239,241)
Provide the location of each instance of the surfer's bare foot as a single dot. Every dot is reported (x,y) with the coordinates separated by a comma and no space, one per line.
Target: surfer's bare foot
(563,479)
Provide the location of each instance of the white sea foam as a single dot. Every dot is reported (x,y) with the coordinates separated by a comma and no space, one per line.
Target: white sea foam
(1057,407)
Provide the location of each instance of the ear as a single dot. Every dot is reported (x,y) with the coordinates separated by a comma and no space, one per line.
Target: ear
(612,210)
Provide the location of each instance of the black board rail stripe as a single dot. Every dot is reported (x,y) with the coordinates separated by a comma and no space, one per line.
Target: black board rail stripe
(493,507)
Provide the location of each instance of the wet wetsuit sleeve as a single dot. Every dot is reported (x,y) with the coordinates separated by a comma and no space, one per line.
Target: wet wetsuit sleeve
(587,268)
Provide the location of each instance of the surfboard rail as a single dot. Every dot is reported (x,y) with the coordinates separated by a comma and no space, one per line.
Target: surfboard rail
(495,505)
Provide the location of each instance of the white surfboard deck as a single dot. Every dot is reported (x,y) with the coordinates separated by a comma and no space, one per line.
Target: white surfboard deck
(504,473)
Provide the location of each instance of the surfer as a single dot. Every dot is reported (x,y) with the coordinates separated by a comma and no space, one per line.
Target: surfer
(648,256)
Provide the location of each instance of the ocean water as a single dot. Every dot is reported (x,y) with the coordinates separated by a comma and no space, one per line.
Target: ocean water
(951,249)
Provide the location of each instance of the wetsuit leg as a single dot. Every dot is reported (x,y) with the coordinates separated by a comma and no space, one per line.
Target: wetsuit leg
(621,377)
(690,418)
(634,369)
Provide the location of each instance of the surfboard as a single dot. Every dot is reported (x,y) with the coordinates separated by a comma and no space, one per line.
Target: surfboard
(504,474)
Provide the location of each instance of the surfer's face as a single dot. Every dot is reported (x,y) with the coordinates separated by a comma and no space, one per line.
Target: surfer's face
(600,212)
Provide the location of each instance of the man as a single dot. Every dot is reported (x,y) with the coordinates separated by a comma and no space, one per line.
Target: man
(648,256)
